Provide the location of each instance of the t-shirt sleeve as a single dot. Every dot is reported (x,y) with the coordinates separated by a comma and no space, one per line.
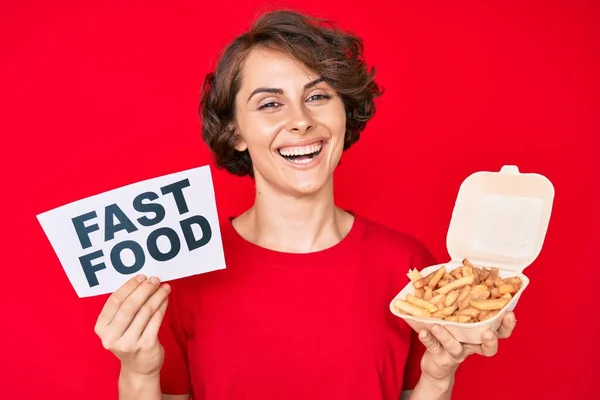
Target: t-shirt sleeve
(174,374)
(412,371)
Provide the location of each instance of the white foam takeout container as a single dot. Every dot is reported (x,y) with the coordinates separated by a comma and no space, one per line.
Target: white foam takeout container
(499,220)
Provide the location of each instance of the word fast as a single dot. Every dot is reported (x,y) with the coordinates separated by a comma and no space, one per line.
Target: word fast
(142,203)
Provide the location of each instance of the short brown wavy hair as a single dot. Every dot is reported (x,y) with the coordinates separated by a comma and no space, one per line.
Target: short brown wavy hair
(335,55)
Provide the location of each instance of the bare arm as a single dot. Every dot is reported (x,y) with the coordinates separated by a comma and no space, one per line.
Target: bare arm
(133,387)
(128,326)
(428,389)
(175,397)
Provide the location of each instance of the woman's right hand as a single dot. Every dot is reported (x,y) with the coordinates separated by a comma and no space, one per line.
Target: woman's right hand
(129,322)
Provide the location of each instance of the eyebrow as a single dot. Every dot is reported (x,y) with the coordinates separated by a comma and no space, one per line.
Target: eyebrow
(280,91)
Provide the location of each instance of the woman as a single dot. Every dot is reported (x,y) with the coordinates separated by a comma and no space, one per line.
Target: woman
(301,312)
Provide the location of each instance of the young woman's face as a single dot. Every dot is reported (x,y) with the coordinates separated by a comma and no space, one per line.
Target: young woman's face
(291,122)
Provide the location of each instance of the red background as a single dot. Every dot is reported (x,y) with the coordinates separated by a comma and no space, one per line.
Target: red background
(99,96)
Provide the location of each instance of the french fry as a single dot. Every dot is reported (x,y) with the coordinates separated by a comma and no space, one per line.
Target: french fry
(430,275)
(483,314)
(485,273)
(467,280)
(465,303)
(510,289)
(471,312)
(428,293)
(444,312)
(451,298)
(495,292)
(467,294)
(484,296)
(436,277)
(420,283)
(424,304)
(467,268)
(458,318)
(477,291)
(477,273)
(492,278)
(464,293)
(444,282)
(438,299)
(407,308)
(414,275)
(464,297)
(427,278)
(490,315)
(493,304)
(449,310)
(457,274)
(514,281)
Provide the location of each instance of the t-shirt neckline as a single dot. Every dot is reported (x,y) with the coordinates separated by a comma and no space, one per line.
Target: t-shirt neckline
(325,256)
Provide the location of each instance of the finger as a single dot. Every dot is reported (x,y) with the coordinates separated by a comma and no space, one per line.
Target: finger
(150,333)
(116,299)
(472,349)
(430,342)
(146,312)
(489,345)
(131,306)
(448,342)
(509,322)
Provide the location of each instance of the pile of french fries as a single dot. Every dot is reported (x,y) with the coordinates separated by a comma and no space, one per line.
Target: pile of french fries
(466,294)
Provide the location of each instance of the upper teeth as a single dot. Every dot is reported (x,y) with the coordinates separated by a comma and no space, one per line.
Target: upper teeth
(301,150)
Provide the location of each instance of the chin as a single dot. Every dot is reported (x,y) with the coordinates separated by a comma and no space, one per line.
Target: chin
(304,187)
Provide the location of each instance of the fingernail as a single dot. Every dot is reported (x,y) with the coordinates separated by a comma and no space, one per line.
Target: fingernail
(154,280)
(437,329)
(140,278)
(167,287)
(423,334)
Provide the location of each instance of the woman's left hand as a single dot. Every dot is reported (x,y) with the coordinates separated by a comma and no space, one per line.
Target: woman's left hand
(444,353)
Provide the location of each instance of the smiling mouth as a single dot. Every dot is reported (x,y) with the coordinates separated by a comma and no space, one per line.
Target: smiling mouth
(301,154)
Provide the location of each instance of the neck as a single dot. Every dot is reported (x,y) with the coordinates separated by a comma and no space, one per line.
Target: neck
(294,224)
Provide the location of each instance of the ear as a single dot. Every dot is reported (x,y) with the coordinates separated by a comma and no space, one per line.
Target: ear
(240,143)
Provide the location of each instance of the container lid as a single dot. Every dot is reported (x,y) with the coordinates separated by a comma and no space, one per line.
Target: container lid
(500,219)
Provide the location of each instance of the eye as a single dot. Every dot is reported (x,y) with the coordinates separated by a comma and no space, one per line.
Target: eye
(317,97)
(269,105)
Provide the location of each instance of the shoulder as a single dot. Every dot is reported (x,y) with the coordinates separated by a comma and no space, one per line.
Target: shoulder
(395,243)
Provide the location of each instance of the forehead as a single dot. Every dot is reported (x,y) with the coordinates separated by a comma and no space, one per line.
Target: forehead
(271,68)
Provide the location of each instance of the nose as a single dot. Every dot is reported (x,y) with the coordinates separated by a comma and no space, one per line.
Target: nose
(300,120)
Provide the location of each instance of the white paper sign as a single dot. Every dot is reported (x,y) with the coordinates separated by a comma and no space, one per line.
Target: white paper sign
(166,227)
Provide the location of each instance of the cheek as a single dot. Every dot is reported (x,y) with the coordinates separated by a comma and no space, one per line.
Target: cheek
(338,128)
(259,133)
(339,122)
(339,136)
(333,119)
